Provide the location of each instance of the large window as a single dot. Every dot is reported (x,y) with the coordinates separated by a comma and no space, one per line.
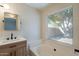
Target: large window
(60,25)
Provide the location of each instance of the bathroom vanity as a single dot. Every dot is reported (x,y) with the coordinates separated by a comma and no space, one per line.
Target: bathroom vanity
(13,47)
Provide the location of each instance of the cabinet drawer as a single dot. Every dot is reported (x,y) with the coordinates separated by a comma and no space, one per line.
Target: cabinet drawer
(13,45)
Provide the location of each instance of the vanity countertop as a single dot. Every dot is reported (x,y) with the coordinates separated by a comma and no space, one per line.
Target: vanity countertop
(4,42)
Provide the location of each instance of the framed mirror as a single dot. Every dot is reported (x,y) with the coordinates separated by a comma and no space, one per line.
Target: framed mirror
(10,21)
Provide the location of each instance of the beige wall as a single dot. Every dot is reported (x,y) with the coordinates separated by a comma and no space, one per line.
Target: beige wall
(54,8)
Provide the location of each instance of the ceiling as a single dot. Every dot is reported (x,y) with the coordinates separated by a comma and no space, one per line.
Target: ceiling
(38,5)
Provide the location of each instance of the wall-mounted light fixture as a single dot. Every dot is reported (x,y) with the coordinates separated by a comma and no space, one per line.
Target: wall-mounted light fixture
(5,6)
(1,6)
(1,12)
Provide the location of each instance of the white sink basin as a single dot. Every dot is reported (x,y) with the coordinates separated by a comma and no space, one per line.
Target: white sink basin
(4,41)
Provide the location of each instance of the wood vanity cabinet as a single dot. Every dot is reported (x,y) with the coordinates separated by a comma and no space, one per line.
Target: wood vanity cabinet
(14,49)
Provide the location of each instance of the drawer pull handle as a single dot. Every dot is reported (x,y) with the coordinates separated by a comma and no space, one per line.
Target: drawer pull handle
(12,46)
(76,50)
(54,49)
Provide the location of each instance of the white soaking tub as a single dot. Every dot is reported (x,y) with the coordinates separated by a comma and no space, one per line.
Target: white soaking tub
(41,51)
(47,49)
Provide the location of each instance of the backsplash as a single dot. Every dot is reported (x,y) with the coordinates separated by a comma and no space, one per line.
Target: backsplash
(7,34)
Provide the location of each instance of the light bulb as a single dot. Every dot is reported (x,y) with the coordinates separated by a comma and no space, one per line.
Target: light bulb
(6,6)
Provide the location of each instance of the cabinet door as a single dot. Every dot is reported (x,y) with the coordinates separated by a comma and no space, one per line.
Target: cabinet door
(4,52)
(13,53)
(21,51)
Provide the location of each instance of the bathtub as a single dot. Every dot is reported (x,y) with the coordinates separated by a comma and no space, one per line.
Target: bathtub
(46,49)
(43,50)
